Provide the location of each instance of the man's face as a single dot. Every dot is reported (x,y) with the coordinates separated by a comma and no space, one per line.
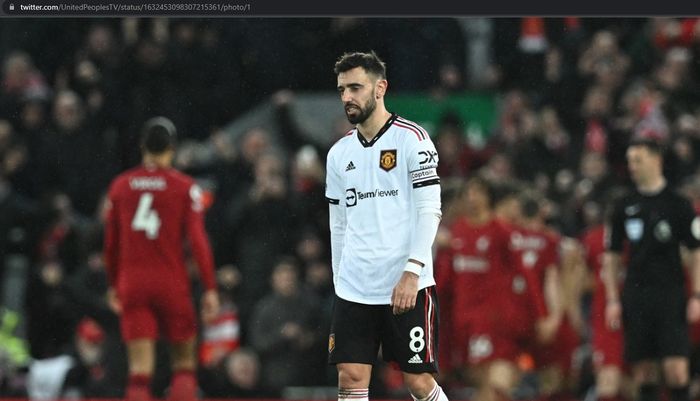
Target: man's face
(358,92)
(642,163)
(476,197)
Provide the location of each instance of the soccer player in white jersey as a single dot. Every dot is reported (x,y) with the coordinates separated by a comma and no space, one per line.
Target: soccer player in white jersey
(384,195)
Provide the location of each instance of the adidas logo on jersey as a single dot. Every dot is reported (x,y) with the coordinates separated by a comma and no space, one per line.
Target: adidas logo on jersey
(415,359)
(351,166)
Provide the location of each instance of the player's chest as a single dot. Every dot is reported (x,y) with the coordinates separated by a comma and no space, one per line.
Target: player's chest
(374,166)
(475,242)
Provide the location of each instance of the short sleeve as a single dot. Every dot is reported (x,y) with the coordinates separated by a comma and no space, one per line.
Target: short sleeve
(615,236)
(690,225)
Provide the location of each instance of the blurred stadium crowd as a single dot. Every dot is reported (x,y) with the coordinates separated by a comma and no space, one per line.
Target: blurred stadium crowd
(74,93)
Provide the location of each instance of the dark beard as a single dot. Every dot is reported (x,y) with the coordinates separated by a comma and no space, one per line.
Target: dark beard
(364,114)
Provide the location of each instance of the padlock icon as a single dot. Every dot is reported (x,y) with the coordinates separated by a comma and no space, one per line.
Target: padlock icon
(12,7)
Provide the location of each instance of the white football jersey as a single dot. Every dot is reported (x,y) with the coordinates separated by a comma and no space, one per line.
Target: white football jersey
(375,183)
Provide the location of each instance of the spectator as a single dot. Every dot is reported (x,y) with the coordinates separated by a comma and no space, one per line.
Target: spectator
(239,376)
(91,375)
(264,229)
(284,327)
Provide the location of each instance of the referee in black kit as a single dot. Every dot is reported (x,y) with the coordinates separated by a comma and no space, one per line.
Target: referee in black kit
(653,222)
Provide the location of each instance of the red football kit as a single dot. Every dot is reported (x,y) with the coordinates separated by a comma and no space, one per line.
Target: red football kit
(607,344)
(487,298)
(150,214)
(538,251)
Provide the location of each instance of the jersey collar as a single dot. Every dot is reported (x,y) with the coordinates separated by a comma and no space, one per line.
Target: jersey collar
(381,132)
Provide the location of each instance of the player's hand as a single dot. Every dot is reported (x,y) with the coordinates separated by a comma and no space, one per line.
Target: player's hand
(210,305)
(693,309)
(403,298)
(547,328)
(613,315)
(113,301)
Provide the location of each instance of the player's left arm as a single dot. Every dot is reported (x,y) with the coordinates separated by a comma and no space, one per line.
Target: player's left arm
(422,166)
(201,250)
(690,237)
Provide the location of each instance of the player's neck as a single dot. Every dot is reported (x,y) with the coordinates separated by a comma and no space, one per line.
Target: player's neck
(532,224)
(156,161)
(371,126)
(478,218)
(652,186)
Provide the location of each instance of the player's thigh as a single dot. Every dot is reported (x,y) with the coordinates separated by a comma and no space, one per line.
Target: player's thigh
(354,335)
(410,339)
(138,321)
(176,315)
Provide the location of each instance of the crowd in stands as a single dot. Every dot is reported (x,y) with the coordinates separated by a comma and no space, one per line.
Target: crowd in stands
(74,93)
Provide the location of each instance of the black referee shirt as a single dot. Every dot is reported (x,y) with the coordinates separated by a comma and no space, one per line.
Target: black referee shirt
(654,227)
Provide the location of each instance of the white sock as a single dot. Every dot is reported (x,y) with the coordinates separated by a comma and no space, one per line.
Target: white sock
(353,394)
(435,395)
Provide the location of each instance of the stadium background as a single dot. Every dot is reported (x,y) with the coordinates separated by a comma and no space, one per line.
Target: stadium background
(549,102)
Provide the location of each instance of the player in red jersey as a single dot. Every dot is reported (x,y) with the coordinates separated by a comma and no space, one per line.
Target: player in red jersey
(607,344)
(491,313)
(151,210)
(540,248)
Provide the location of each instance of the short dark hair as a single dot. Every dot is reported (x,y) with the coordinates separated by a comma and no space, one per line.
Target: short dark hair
(370,62)
(158,135)
(530,204)
(653,146)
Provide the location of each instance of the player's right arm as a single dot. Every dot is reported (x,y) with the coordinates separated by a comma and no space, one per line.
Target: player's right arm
(336,211)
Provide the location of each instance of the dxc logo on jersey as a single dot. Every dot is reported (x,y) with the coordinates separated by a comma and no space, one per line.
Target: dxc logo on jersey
(429,156)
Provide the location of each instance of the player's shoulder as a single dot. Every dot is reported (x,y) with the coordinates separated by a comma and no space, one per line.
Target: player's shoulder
(508,226)
(122,179)
(627,197)
(179,177)
(179,181)
(502,227)
(411,132)
(552,234)
(677,197)
(342,142)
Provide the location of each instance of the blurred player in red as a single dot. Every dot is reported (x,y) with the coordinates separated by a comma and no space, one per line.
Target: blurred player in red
(543,256)
(489,301)
(151,210)
(607,344)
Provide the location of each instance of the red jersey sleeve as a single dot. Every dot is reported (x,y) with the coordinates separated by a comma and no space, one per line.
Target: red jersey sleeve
(197,236)
(111,249)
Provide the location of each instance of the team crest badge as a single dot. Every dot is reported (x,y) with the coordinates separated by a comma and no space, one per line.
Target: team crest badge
(662,231)
(387,159)
(331,342)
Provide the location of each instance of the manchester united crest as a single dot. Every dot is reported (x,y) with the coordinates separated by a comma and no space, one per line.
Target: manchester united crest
(331,343)
(387,159)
